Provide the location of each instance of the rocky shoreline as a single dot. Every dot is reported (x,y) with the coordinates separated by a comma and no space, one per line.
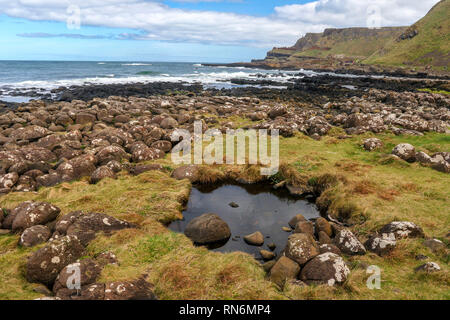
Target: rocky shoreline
(97,132)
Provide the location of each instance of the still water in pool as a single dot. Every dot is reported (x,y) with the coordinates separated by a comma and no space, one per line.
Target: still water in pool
(261,208)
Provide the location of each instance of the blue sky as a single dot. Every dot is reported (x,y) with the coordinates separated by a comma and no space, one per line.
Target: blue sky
(180,30)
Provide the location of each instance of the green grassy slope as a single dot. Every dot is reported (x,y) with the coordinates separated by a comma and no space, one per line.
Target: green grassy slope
(346,43)
(430,47)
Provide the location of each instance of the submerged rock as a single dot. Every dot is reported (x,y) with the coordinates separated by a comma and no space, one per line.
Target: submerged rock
(255,239)
(267,255)
(298,218)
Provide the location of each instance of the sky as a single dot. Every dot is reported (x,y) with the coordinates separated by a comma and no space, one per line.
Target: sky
(181,30)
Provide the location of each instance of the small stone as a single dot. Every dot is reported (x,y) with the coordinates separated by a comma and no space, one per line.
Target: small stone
(286,229)
(428,267)
(435,245)
(272,246)
(296,220)
(255,239)
(267,255)
(420,257)
(233,205)
(372,144)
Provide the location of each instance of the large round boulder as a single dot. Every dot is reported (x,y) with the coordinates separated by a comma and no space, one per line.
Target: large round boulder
(301,248)
(327,268)
(29,213)
(34,236)
(45,264)
(405,151)
(208,228)
(101,173)
(86,226)
(189,172)
(88,269)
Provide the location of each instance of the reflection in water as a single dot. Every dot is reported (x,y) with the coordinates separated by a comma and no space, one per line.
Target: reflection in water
(260,209)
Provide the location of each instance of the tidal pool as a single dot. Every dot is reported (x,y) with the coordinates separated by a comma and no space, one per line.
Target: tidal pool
(260,208)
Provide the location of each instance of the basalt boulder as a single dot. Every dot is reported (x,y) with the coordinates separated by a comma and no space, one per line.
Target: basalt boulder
(30,133)
(348,243)
(284,269)
(405,151)
(101,173)
(29,213)
(34,236)
(301,248)
(86,226)
(189,172)
(403,229)
(381,244)
(45,264)
(87,269)
(327,268)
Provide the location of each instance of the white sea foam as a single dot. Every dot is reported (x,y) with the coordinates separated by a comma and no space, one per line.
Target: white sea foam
(136,64)
(215,79)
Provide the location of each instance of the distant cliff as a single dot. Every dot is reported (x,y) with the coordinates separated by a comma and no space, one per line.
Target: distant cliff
(349,45)
(424,45)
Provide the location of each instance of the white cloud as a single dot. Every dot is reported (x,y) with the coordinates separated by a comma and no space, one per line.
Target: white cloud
(156,21)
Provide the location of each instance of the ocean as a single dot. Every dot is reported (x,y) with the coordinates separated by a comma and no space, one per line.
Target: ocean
(43,76)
